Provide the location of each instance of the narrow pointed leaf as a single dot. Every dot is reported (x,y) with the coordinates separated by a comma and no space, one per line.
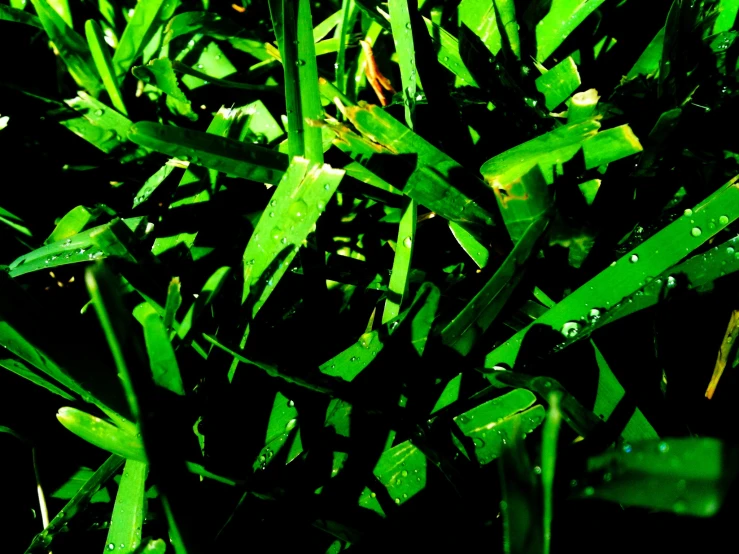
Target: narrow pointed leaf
(104,63)
(129,510)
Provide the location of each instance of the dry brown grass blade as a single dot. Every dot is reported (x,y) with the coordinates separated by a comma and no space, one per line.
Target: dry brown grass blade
(732,332)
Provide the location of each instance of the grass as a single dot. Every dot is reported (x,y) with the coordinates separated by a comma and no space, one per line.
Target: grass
(359,275)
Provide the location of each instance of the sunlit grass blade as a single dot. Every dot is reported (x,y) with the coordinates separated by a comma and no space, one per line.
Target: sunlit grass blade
(248,161)
(102,434)
(151,184)
(14,222)
(648,62)
(129,510)
(148,15)
(77,504)
(346,22)
(298,202)
(16,15)
(104,63)
(164,368)
(726,19)
(558,83)
(475,319)
(627,275)
(74,222)
(549,440)
(491,424)
(582,106)
(563,18)
(398,286)
(352,361)
(71,47)
(682,475)
(400,20)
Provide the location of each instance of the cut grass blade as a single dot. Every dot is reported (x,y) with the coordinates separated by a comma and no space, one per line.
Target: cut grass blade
(104,63)
(558,83)
(174,301)
(129,510)
(475,319)
(71,46)
(298,202)
(627,275)
(77,504)
(247,161)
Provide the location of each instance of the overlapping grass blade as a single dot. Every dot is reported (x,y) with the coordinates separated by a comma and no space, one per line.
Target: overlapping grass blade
(8,13)
(208,293)
(71,46)
(129,510)
(104,63)
(563,18)
(558,83)
(398,286)
(19,367)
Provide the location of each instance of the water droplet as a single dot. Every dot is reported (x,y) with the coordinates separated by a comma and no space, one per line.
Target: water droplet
(634,258)
(67,242)
(479,443)
(99,112)
(271,214)
(671,282)
(588,491)
(404,473)
(397,501)
(408,25)
(290,404)
(729,250)
(695,231)
(723,220)
(688,212)
(594,315)
(407,242)
(111,546)
(663,447)
(200,66)
(537,470)
(607,477)
(300,63)
(571,328)
(626,448)
(373,495)
(283,240)
(326,187)
(291,425)
(573,483)
(273,203)
(353,359)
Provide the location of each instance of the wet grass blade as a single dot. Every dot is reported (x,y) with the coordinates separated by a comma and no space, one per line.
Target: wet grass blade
(71,46)
(726,19)
(563,18)
(558,83)
(77,504)
(627,275)
(148,15)
(104,63)
(475,319)
(129,509)
(402,29)
(208,293)
(298,202)
(102,434)
(232,157)
(469,243)
(398,286)
(648,62)
(164,368)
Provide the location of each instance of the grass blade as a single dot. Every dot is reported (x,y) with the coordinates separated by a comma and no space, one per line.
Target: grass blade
(104,63)
(128,513)
(563,18)
(400,20)
(102,434)
(558,83)
(398,286)
(247,161)
(164,368)
(549,440)
(16,15)
(18,367)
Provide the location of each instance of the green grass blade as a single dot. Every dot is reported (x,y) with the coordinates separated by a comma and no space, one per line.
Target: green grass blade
(104,63)
(582,106)
(16,15)
(348,18)
(298,202)
(164,368)
(151,184)
(475,319)
(14,222)
(147,17)
(71,46)
(62,8)
(628,274)
(728,10)
(104,473)
(398,286)
(74,222)
(563,18)
(682,475)
(400,20)
(102,434)
(17,366)
(212,79)
(402,471)
(558,83)
(160,74)
(247,161)
(491,424)
(352,361)
(208,293)
(549,440)
(469,243)
(648,62)
(174,301)
(129,510)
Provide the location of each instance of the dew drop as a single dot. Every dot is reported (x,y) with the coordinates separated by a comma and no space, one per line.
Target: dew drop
(588,491)
(671,282)
(407,242)
(571,328)
(271,214)
(634,258)
(290,404)
(404,473)
(537,470)
(300,63)
(688,212)
(283,240)
(663,447)
(626,448)
(111,546)
(695,231)
(594,315)
(723,220)
(397,501)
(729,250)
(353,359)
(273,203)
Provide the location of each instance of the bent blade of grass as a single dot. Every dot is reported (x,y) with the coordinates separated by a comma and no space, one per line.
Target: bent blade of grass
(298,202)
(16,15)
(398,286)
(77,504)
(475,319)
(402,29)
(129,509)
(247,161)
(71,47)
(104,63)
(627,275)
(148,15)
(563,18)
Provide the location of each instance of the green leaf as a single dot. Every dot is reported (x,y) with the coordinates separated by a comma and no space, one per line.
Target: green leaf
(71,46)
(402,471)
(400,20)
(129,510)
(476,317)
(610,145)
(18,367)
(14,222)
(214,65)
(164,368)
(19,16)
(563,18)
(627,275)
(105,472)
(353,360)
(681,475)
(147,17)
(558,83)
(104,63)
(582,106)
(296,205)
(102,434)
(208,293)
(247,161)
(73,485)
(648,62)
(549,439)
(491,424)
(74,222)
(398,286)
(727,12)
(151,184)
(174,301)
(160,74)
(469,243)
